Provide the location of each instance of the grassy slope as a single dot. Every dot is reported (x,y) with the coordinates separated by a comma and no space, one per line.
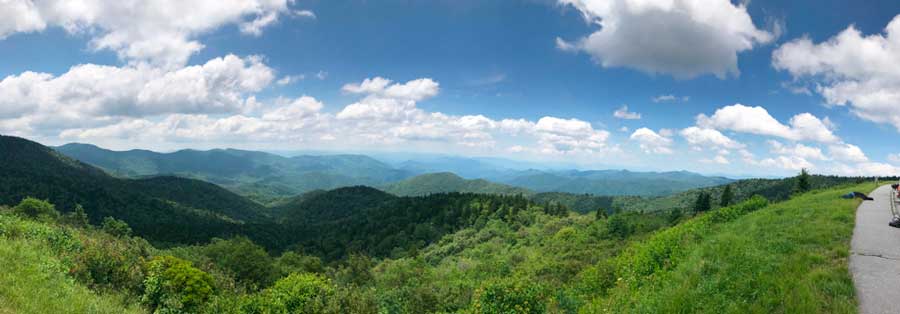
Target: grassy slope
(33,280)
(789,257)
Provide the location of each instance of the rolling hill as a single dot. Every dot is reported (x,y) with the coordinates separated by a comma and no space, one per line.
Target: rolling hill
(610,182)
(445,182)
(260,176)
(161,209)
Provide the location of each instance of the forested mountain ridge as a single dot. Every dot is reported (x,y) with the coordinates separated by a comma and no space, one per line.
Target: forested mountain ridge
(160,209)
(260,176)
(445,182)
(610,182)
(268,178)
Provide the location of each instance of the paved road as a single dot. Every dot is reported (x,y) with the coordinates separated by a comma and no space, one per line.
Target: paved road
(875,256)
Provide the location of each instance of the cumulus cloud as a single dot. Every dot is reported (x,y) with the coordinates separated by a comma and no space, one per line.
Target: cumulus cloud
(386,114)
(847,152)
(851,69)
(89,93)
(798,150)
(793,163)
(157,32)
(652,142)
(756,120)
(682,38)
(709,137)
(623,113)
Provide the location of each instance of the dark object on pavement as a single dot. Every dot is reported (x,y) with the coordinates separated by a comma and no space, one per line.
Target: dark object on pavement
(895,222)
(894,186)
(858,194)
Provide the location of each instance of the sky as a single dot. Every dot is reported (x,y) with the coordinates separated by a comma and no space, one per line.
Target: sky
(759,87)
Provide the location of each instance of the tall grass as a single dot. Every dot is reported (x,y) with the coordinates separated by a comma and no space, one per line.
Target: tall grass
(34,280)
(790,257)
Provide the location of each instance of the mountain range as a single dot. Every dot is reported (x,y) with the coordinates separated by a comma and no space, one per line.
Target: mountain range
(267,178)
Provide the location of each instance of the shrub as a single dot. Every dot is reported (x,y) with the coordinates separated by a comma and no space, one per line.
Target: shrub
(116,227)
(291,262)
(248,262)
(508,297)
(619,226)
(38,209)
(173,285)
(296,293)
(105,261)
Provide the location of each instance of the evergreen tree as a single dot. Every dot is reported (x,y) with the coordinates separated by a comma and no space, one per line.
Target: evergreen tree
(600,214)
(727,196)
(703,203)
(78,217)
(803,181)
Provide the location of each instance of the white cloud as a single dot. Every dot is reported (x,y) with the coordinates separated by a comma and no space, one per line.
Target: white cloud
(798,150)
(158,32)
(866,169)
(709,137)
(851,69)
(297,109)
(682,38)
(894,158)
(670,98)
(385,115)
(290,79)
(305,14)
(623,113)
(847,152)
(322,75)
(651,142)
(756,120)
(786,162)
(88,94)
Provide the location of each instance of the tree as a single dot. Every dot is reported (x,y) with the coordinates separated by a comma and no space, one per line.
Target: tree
(116,227)
(619,226)
(78,217)
(296,293)
(38,209)
(727,196)
(803,184)
(703,203)
(250,264)
(600,214)
(173,285)
(510,296)
(673,216)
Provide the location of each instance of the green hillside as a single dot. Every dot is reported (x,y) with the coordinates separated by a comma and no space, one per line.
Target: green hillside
(790,257)
(445,182)
(772,189)
(160,209)
(360,219)
(448,253)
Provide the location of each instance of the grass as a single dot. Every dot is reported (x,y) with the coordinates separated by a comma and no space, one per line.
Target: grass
(789,257)
(34,280)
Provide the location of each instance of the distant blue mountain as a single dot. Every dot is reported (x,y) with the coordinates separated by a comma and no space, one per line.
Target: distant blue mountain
(267,177)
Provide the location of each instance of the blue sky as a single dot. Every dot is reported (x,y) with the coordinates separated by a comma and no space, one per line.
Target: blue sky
(514,79)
